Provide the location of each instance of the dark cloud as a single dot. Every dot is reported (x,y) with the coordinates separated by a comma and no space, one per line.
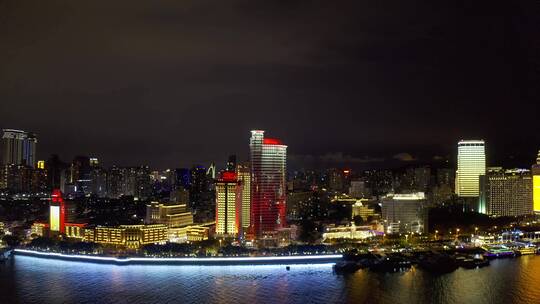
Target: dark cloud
(170,83)
(405,157)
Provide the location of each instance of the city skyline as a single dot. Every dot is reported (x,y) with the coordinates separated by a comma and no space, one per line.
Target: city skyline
(327,161)
(276,151)
(170,82)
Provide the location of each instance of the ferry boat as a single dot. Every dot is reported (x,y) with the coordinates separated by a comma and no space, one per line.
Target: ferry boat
(527,250)
(498,251)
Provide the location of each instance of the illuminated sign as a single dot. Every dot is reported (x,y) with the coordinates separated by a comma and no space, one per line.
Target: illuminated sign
(41,164)
(536,192)
(55,218)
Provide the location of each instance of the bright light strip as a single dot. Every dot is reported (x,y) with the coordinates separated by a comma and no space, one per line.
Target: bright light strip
(228,259)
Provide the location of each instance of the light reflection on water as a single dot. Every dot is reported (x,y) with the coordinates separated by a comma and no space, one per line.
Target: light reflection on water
(35,280)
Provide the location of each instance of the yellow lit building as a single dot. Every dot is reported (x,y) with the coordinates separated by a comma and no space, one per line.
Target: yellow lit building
(40,229)
(41,164)
(361,209)
(75,231)
(228,204)
(348,232)
(172,216)
(130,236)
(2,227)
(471,165)
(244,178)
(194,233)
(536,184)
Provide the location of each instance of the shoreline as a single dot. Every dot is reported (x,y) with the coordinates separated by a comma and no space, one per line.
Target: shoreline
(275,260)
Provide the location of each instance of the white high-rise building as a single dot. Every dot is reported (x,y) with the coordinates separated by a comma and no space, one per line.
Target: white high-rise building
(471,164)
(18,147)
(268,183)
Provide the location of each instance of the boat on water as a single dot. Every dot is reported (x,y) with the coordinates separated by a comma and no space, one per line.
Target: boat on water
(498,251)
(526,250)
(390,264)
(438,263)
(5,254)
(472,262)
(346,267)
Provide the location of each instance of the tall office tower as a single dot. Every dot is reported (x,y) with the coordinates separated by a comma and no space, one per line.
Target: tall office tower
(336,180)
(536,184)
(506,192)
(98,184)
(358,189)
(55,168)
(18,147)
(268,183)
(16,178)
(243,172)
(471,164)
(80,175)
(228,204)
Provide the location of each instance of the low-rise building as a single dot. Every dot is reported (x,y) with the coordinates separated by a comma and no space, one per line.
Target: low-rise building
(360,208)
(193,233)
(39,229)
(130,236)
(75,231)
(351,232)
(170,215)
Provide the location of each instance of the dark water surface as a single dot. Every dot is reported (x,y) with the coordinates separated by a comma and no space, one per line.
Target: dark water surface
(34,280)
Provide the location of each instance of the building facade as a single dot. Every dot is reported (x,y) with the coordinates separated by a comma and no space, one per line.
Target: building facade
(268,184)
(471,164)
(403,212)
(243,172)
(18,147)
(57,213)
(228,204)
(536,184)
(170,215)
(506,192)
(129,236)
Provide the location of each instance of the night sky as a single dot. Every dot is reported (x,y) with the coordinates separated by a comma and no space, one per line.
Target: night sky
(173,83)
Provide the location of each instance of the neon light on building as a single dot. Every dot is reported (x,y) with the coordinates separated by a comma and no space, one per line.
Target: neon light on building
(228,204)
(268,188)
(536,184)
(471,164)
(536,192)
(57,212)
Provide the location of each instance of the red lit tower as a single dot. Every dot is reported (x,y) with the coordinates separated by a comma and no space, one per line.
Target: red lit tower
(57,212)
(268,184)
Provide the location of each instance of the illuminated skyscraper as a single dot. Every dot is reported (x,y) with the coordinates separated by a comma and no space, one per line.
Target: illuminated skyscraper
(268,188)
(471,164)
(228,204)
(243,172)
(536,184)
(57,212)
(18,148)
(506,192)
